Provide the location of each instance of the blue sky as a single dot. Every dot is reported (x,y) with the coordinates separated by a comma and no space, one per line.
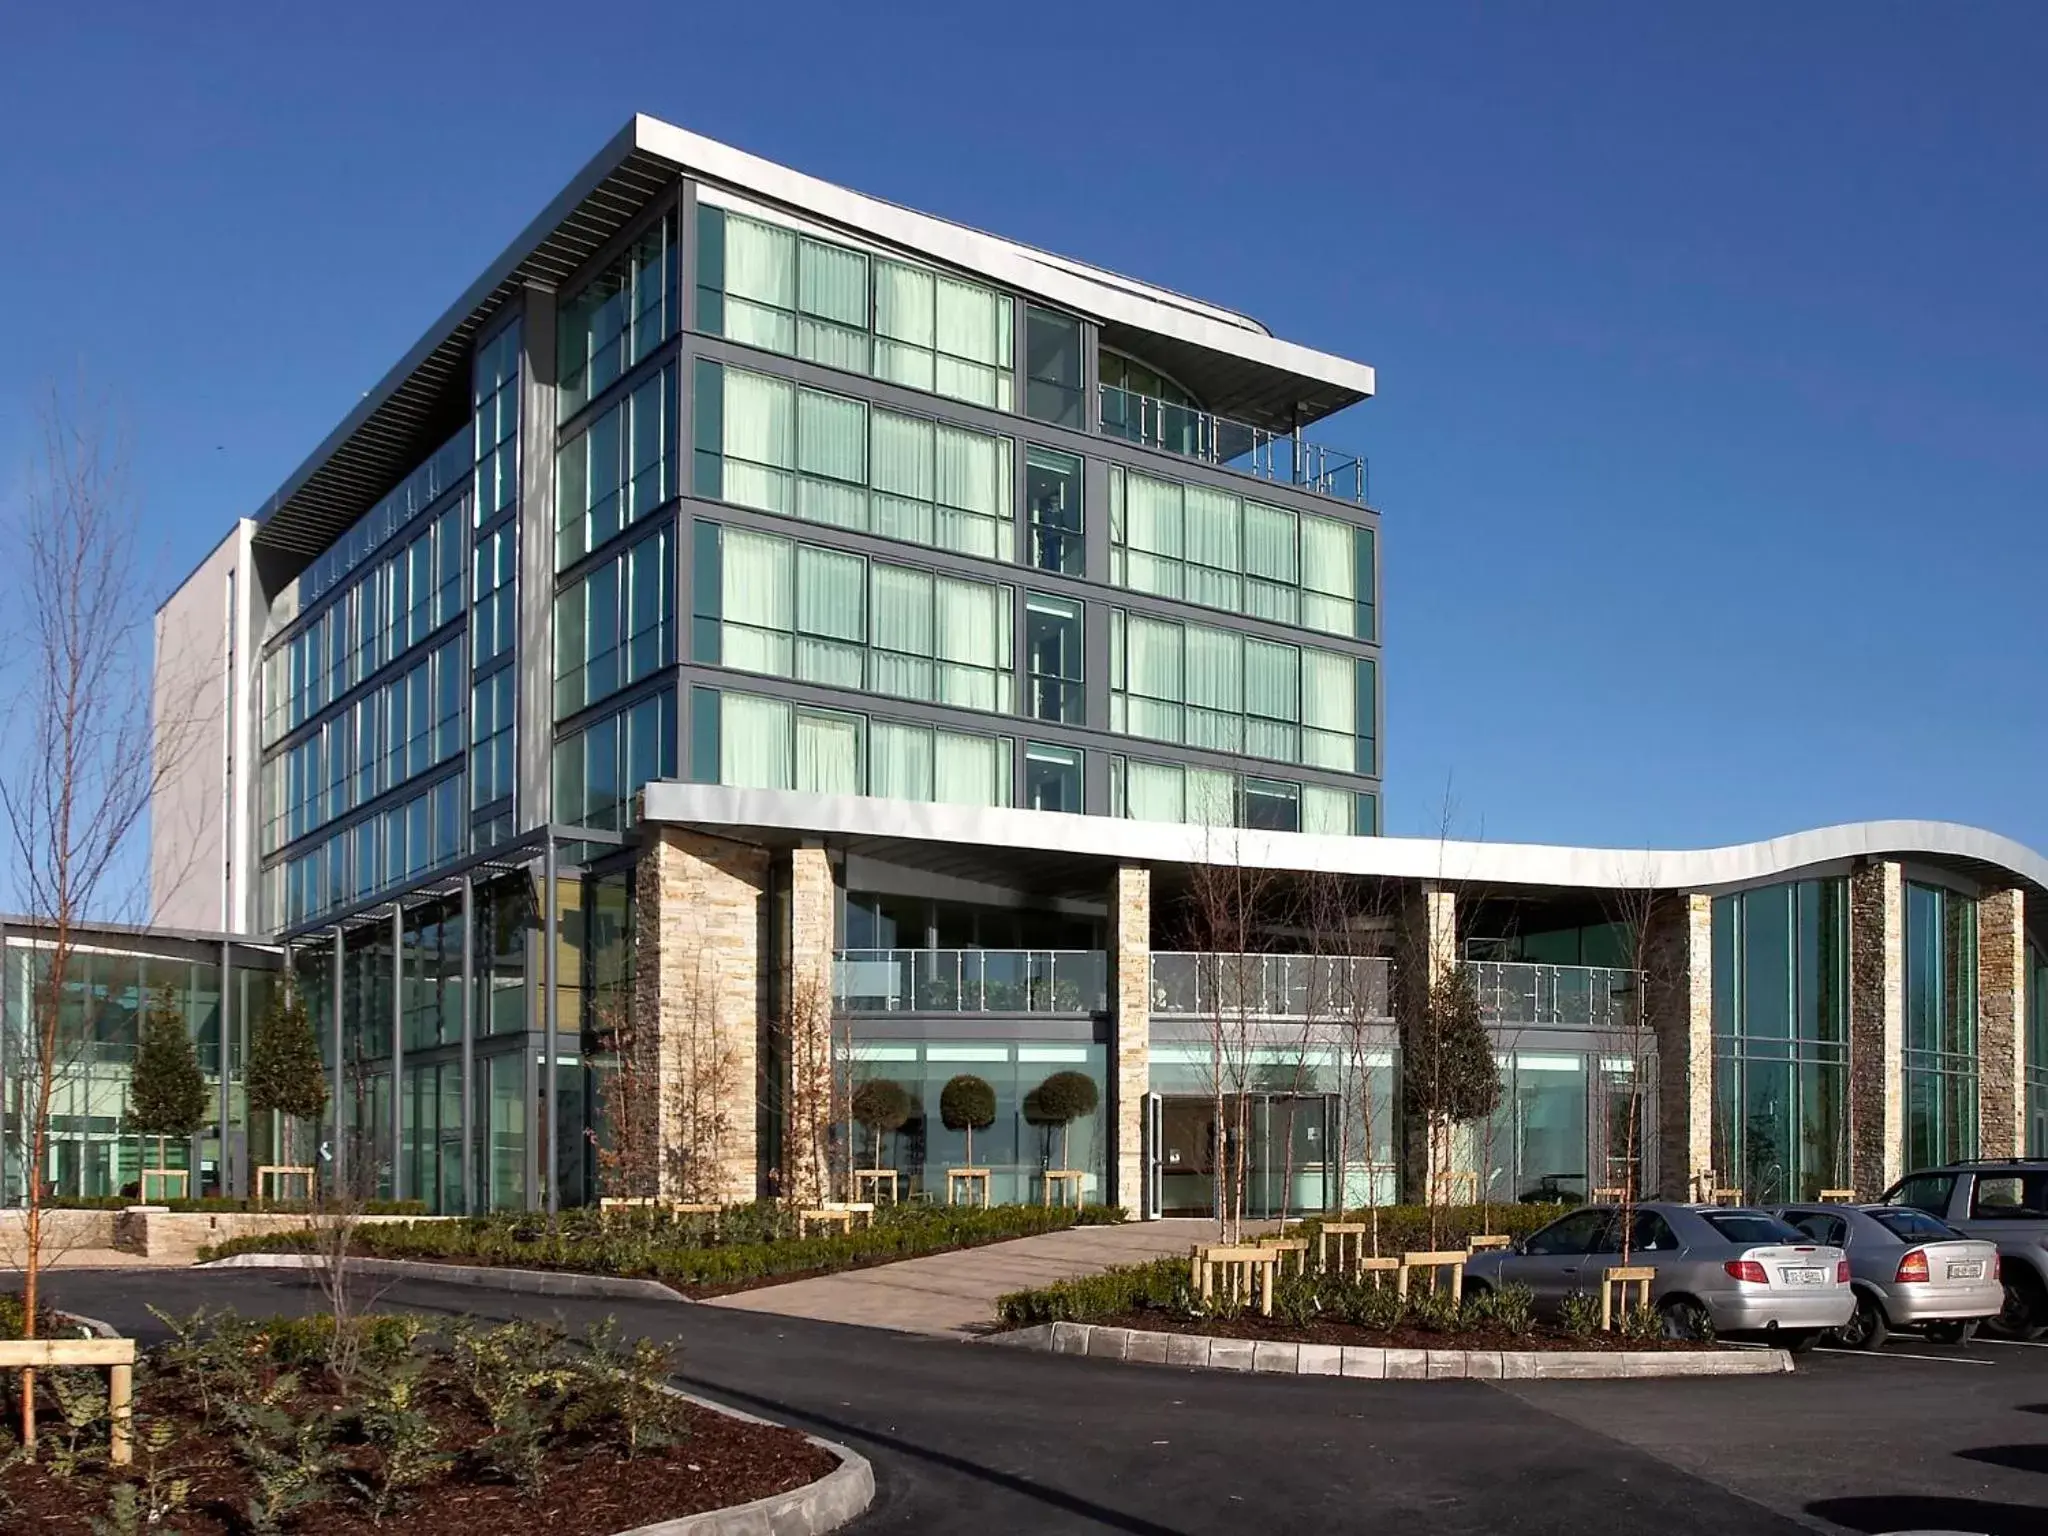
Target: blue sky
(1713,429)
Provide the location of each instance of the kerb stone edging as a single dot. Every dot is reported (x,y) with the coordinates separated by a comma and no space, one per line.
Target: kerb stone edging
(827,1504)
(524,1282)
(1269,1357)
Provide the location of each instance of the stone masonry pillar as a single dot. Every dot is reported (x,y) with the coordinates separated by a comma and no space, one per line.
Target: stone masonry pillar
(1877,1026)
(2001,1023)
(1130,1005)
(698,972)
(808,1009)
(1678,1000)
(1428,950)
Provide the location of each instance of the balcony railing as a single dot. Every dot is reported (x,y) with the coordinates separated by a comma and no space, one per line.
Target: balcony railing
(1073,981)
(1553,996)
(1250,450)
(1336,988)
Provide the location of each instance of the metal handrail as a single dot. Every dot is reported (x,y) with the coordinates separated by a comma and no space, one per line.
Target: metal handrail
(1333,987)
(1194,433)
(1560,996)
(1058,981)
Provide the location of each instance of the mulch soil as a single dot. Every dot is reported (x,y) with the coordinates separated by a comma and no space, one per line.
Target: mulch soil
(1258,1327)
(718,1462)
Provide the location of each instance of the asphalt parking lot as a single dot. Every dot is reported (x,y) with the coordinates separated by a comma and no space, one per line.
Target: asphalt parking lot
(968,1438)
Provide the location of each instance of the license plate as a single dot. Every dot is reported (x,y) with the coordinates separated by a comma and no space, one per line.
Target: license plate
(1966,1271)
(1803,1276)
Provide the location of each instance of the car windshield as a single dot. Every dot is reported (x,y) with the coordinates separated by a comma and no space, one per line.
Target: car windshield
(1912,1226)
(1752,1227)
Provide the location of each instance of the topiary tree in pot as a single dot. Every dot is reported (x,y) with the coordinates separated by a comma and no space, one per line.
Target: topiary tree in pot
(1062,1099)
(882,1105)
(166,1091)
(967,1103)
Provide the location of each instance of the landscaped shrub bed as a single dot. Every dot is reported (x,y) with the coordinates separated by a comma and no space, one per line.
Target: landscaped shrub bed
(1407,1228)
(745,1245)
(217,1205)
(258,1426)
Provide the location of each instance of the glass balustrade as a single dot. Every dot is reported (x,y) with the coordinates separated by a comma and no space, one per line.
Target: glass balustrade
(1553,996)
(1334,987)
(1069,981)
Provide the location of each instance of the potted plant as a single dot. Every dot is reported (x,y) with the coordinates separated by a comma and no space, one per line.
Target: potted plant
(882,1105)
(167,1091)
(967,1103)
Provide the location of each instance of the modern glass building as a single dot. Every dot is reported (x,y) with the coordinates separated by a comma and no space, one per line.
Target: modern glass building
(818,642)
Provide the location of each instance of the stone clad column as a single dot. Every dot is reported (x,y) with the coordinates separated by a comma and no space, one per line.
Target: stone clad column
(1678,1000)
(808,1007)
(1130,1011)
(698,905)
(1877,1026)
(2001,1023)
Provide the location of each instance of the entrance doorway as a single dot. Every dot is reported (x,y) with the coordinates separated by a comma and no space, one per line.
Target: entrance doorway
(1286,1167)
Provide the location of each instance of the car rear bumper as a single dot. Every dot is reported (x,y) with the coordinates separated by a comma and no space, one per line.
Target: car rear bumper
(1905,1304)
(1831,1308)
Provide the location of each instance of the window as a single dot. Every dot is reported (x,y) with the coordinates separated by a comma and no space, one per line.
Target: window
(758,743)
(768,604)
(771,287)
(491,714)
(772,445)
(616,319)
(2010,1196)
(1911,1226)
(615,471)
(1271,806)
(1052,368)
(1820,1226)
(495,425)
(1143,406)
(1052,490)
(1929,1192)
(494,617)
(1212,547)
(1750,1227)
(1052,652)
(1052,778)
(1941,1025)
(600,768)
(1232,692)
(1652,1234)
(2036,1054)
(1573,1234)
(614,626)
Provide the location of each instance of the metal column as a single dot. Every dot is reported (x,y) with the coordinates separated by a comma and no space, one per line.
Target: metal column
(468,1044)
(397,1051)
(551,1173)
(340,1146)
(227,1017)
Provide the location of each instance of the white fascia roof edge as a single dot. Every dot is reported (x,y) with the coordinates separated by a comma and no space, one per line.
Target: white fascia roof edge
(1056,279)
(1453,862)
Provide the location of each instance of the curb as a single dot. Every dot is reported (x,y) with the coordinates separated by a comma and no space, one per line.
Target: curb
(1268,1357)
(832,1501)
(92,1326)
(523,1282)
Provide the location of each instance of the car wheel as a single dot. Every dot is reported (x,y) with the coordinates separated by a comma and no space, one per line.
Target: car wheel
(1684,1318)
(1953,1332)
(2025,1313)
(1867,1327)
(1798,1341)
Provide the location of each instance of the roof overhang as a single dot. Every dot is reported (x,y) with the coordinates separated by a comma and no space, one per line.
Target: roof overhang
(1237,367)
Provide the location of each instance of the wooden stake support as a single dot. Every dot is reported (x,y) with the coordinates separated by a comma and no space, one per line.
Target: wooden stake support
(1065,1180)
(1614,1291)
(182,1175)
(1240,1271)
(968,1183)
(872,1179)
(1489,1241)
(1452,1259)
(117,1355)
(277,1173)
(1295,1248)
(843,1219)
(1838,1197)
(1608,1194)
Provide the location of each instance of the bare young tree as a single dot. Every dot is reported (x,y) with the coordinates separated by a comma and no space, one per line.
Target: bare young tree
(1628,1043)
(818,1096)
(87,756)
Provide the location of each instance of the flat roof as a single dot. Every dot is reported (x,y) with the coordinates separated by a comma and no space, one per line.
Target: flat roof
(1240,368)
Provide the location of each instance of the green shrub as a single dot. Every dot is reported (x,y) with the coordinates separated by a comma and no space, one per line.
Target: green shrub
(1514,1309)
(218,1205)
(1640,1324)
(1160,1286)
(1579,1316)
(1405,1228)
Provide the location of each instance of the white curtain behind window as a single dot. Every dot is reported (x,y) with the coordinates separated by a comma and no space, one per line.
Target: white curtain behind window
(899,761)
(970,628)
(973,475)
(903,477)
(1329,708)
(1329,568)
(759,440)
(1213,529)
(831,615)
(832,283)
(1326,810)
(1152,532)
(1153,674)
(965,770)
(756,601)
(760,284)
(827,753)
(902,612)
(1154,792)
(1212,797)
(1215,688)
(753,742)
(832,457)
(1272,688)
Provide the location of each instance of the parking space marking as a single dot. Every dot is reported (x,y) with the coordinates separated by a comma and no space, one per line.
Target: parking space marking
(2018,1343)
(1893,1354)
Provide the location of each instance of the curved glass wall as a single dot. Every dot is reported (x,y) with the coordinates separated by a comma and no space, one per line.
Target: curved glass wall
(1781,1017)
(1941,1026)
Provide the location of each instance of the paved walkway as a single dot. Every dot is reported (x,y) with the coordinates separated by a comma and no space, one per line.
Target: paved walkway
(955,1293)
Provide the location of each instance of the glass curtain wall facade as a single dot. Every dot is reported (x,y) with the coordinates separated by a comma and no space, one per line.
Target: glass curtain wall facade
(2035,1071)
(110,985)
(1780,987)
(1941,1025)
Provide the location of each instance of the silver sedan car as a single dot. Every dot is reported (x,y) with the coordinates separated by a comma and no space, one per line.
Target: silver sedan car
(1908,1270)
(1740,1271)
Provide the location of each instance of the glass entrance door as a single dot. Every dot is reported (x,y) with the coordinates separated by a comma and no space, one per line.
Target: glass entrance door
(1286,1167)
